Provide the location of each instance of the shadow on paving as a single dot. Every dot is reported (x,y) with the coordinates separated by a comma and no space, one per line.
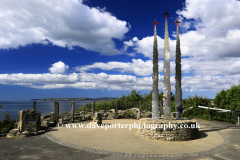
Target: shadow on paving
(39,147)
(210,126)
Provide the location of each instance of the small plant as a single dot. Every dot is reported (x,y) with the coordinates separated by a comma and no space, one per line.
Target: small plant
(119,116)
(130,114)
(87,108)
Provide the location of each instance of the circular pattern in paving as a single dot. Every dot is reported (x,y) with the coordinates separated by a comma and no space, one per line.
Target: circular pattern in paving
(125,142)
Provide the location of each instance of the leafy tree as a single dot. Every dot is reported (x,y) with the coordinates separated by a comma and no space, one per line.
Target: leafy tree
(228,99)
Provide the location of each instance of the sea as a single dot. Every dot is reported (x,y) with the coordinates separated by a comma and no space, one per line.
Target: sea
(45,107)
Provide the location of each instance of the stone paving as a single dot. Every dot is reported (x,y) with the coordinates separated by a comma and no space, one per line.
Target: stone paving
(185,153)
(216,149)
(40,147)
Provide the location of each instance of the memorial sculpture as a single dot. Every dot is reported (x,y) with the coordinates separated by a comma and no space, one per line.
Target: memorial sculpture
(29,123)
(155,92)
(179,108)
(153,131)
(166,72)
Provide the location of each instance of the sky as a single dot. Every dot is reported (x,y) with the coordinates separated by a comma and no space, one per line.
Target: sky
(104,48)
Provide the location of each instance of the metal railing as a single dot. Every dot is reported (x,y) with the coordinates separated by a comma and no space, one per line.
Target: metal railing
(234,113)
(45,107)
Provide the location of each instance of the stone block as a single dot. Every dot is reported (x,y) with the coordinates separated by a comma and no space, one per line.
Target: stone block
(159,130)
(174,132)
(169,129)
(81,112)
(76,121)
(181,134)
(29,120)
(97,118)
(66,119)
(45,124)
(170,138)
(182,131)
(143,131)
(13,131)
(16,125)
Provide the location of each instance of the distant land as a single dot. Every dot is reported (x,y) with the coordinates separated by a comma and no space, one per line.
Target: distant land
(81,99)
(75,99)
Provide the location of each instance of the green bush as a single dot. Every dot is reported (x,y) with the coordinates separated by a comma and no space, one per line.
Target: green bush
(87,107)
(130,114)
(7,124)
(119,116)
(208,114)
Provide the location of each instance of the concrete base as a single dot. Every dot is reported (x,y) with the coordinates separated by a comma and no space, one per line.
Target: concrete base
(14,133)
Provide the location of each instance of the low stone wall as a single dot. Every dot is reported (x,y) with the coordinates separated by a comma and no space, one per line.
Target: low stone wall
(184,130)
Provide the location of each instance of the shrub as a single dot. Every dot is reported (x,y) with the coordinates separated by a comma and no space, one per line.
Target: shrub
(7,124)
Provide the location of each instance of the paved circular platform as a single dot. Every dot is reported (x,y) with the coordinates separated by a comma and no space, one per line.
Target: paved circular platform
(122,141)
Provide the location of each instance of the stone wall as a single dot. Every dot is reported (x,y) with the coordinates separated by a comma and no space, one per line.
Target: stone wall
(154,129)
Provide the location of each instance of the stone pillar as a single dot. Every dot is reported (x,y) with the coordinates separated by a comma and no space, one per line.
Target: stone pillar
(34,104)
(139,114)
(238,120)
(155,91)
(93,107)
(72,111)
(56,112)
(116,110)
(178,88)
(97,119)
(166,73)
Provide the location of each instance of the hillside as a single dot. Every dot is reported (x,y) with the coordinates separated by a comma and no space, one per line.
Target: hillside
(77,99)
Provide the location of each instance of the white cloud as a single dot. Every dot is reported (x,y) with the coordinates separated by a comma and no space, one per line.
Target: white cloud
(64,23)
(203,80)
(208,41)
(27,79)
(138,67)
(145,46)
(213,66)
(135,39)
(58,67)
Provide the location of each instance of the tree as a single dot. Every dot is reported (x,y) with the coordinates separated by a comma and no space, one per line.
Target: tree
(228,99)
(0,112)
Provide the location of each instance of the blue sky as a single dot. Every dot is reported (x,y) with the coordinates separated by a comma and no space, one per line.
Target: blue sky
(104,48)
